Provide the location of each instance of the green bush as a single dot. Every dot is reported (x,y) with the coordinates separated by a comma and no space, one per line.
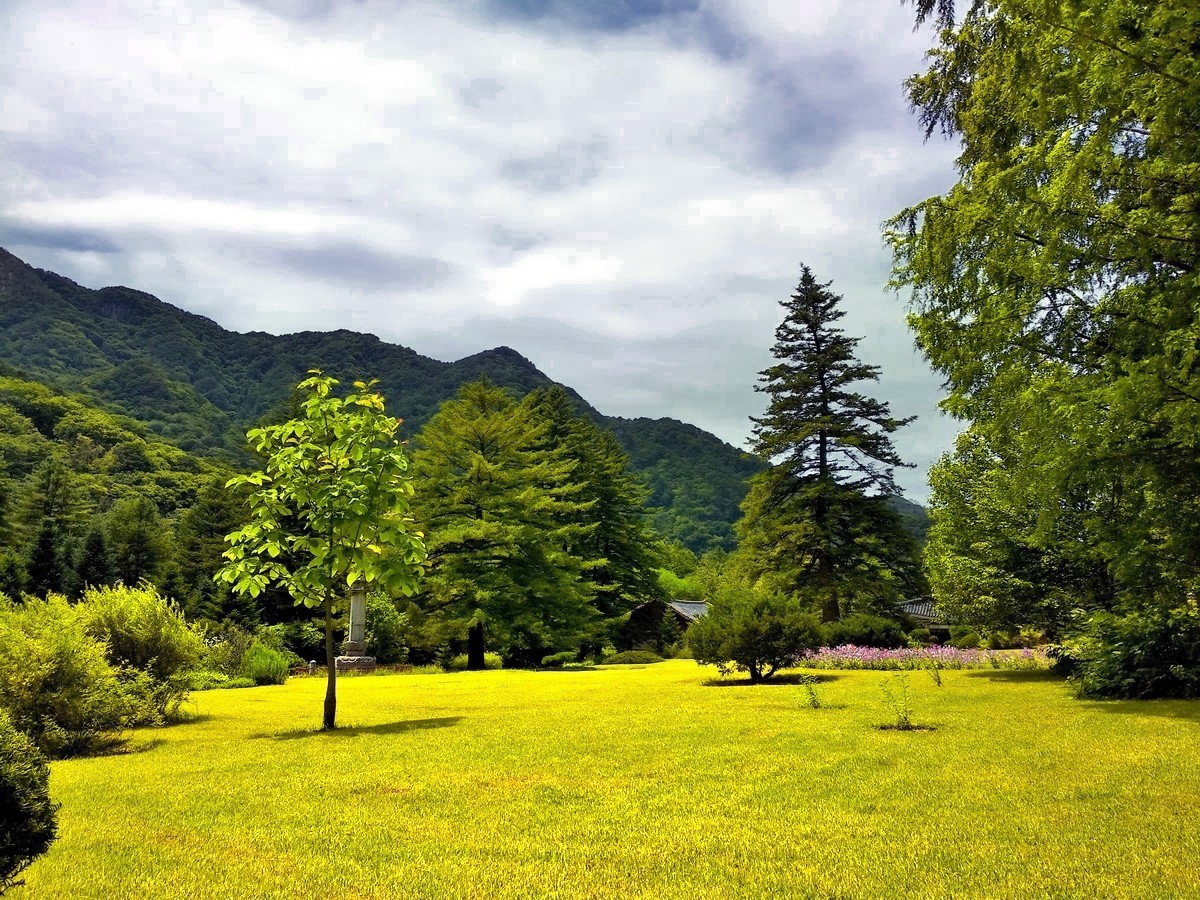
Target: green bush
(386,631)
(864,630)
(459,663)
(633,658)
(1137,655)
(920,636)
(144,632)
(964,638)
(56,683)
(265,665)
(297,641)
(558,660)
(28,820)
(225,647)
(753,631)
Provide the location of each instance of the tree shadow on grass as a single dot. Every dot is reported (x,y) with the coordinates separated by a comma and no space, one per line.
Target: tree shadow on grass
(788,679)
(1188,710)
(354,730)
(1015,676)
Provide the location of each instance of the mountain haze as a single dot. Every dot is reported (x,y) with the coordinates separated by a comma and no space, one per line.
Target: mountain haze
(200,386)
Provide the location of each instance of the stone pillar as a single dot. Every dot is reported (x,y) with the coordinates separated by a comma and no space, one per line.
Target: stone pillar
(352,657)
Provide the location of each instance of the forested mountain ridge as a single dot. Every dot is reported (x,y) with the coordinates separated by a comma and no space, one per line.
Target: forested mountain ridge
(200,386)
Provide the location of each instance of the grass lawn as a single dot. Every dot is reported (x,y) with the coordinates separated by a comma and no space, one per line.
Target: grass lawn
(639,782)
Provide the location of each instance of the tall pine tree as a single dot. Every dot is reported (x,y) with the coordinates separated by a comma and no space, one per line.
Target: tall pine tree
(817,522)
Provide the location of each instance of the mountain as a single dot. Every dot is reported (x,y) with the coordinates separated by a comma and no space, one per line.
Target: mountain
(199,386)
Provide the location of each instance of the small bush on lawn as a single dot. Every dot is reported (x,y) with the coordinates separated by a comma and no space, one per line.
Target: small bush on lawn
(863,630)
(633,658)
(297,641)
(1137,655)
(459,663)
(964,638)
(145,633)
(558,660)
(387,629)
(753,631)
(28,820)
(264,665)
(56,683)
(225,647)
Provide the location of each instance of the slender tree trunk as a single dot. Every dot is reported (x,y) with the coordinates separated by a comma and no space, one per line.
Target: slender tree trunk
(475,661)
(329,722)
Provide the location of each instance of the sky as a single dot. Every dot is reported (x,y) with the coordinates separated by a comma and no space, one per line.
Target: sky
(623,191)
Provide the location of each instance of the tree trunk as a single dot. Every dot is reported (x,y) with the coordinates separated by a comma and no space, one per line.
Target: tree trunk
(329,721)
(475,661)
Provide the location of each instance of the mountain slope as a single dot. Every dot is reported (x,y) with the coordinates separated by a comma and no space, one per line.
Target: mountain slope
(200,386)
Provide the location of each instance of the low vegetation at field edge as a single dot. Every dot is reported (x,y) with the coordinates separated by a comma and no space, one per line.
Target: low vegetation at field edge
(639,782)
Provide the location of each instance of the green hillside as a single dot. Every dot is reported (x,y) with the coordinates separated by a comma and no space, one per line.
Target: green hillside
(200,386)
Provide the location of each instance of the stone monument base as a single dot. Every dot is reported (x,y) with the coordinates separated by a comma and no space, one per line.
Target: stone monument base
(355,663)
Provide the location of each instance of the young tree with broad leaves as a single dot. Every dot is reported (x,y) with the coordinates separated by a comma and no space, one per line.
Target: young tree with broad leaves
(330,509)
(817,523)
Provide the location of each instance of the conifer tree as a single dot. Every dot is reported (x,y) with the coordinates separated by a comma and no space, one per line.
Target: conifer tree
(94,567)
(817,522)
(614,540)
(501,513)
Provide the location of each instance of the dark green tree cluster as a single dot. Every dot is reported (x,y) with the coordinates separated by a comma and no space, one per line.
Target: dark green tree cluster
(536,536)
(1054,287)
(87,499)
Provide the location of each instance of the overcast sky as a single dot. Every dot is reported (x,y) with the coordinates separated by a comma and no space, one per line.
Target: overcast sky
(621,190)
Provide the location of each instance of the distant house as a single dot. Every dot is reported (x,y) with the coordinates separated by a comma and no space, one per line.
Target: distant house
(644,628)
(924,614)
(687,611)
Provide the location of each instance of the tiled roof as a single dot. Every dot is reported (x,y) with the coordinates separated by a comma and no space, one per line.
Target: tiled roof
(920,608)
(690,609)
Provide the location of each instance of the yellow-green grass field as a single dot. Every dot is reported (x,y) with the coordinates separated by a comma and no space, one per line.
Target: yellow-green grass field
(639,782)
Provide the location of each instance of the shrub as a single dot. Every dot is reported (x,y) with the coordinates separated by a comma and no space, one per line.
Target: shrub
(558,660)
(459,663)
(864,630)
(225,647)
(264,665)
(1137,655)
(964,638)
(633,658)
(386,631)
(297,641)
(56,683)
(920,636)
(146,633)
(28,820)
(753,631)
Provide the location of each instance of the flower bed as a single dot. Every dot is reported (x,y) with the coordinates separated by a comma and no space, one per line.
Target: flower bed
(850,657)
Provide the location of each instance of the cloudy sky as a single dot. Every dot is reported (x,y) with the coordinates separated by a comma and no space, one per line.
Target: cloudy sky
(621,190)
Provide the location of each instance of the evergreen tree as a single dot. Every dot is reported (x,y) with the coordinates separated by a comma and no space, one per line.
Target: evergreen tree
(613,537)
(817,522)
(47,567)
(94,567)
(138,540)
(501,511)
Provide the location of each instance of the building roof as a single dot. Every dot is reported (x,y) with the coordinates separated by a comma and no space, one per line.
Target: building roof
(921,608)
(689,610)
